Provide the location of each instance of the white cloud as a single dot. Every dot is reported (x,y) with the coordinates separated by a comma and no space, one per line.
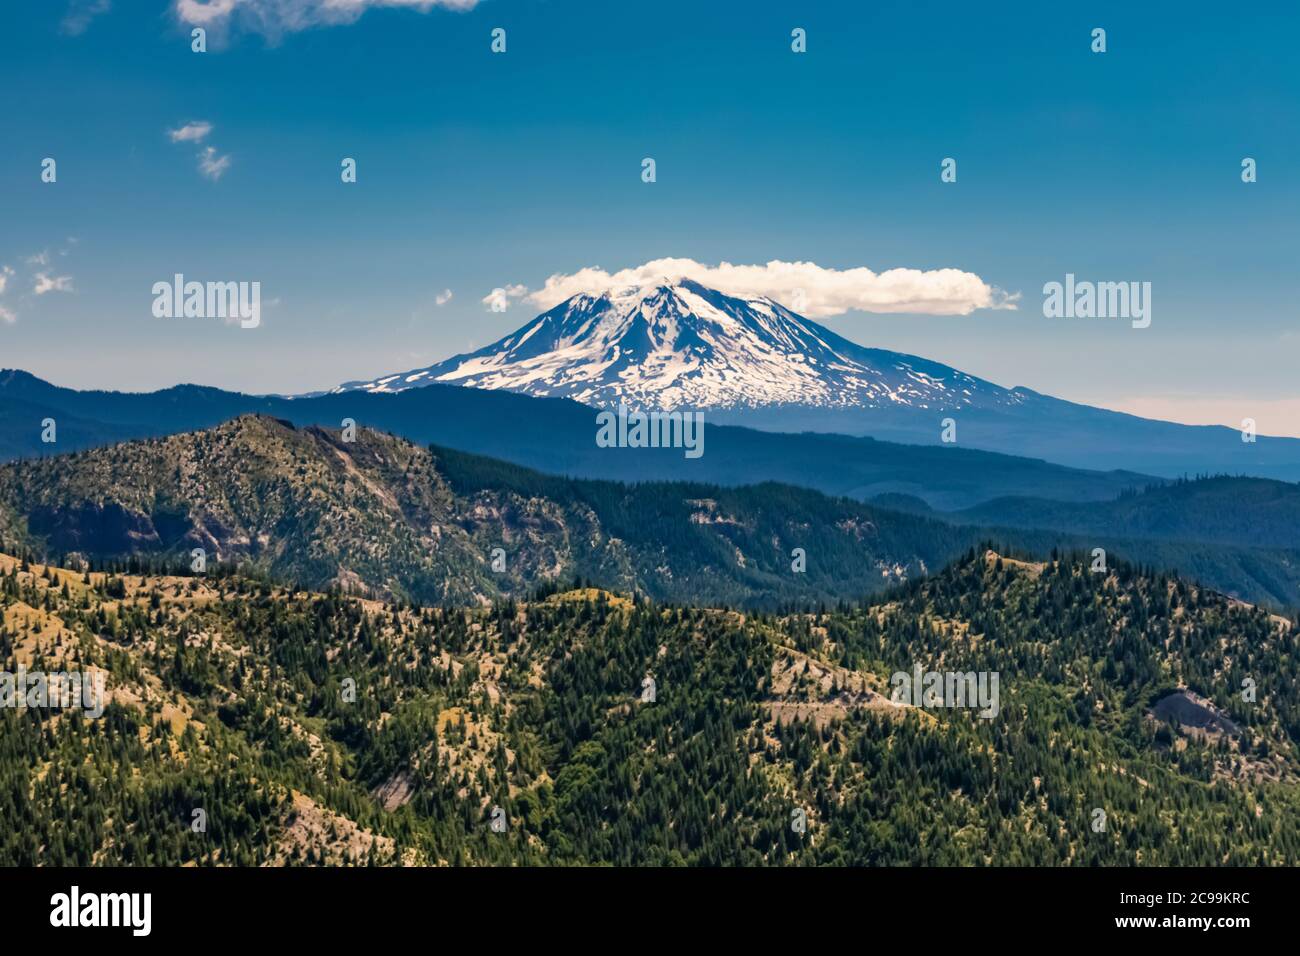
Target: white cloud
(273,17)
(442,298)
(80,13)
(499,299)
(810,289)
(47,283)
(201,14)
(7,316)
(212,165)
(38,273)
(190,132)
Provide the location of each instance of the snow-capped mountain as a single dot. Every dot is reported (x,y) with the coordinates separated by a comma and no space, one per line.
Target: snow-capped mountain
(681,345)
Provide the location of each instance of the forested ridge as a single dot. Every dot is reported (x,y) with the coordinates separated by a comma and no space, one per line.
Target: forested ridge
(319,728)
(392,520)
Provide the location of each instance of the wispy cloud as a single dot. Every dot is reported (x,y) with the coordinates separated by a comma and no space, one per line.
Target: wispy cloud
(37,271)
(442,298)
(212,165)
(80,13)
(190,132)
(274,17)
(7,315)
(806,287)
(202,12)
(48,283)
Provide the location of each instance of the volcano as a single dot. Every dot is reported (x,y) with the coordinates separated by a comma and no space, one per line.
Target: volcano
(684,346)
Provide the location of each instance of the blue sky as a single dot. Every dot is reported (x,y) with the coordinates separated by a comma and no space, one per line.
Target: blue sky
(478,171)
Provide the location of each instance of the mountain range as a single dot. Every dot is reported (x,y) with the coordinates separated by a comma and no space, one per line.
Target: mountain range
(755,362)
(375,514)
(751,363)
(383,517)
(556,436)
(396,644)
(296,500)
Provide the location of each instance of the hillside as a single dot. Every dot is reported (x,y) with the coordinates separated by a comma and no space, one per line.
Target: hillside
(383,517)
(299,504)
(380,515)
(1252,512)
(316,728)
(555,435)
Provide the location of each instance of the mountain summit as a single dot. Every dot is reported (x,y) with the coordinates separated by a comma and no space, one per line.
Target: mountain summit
(756,363)
(682,345)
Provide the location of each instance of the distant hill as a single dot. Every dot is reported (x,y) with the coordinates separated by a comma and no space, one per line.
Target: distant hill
(557,436)
(380,515)
(1252,512)
(384,516)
